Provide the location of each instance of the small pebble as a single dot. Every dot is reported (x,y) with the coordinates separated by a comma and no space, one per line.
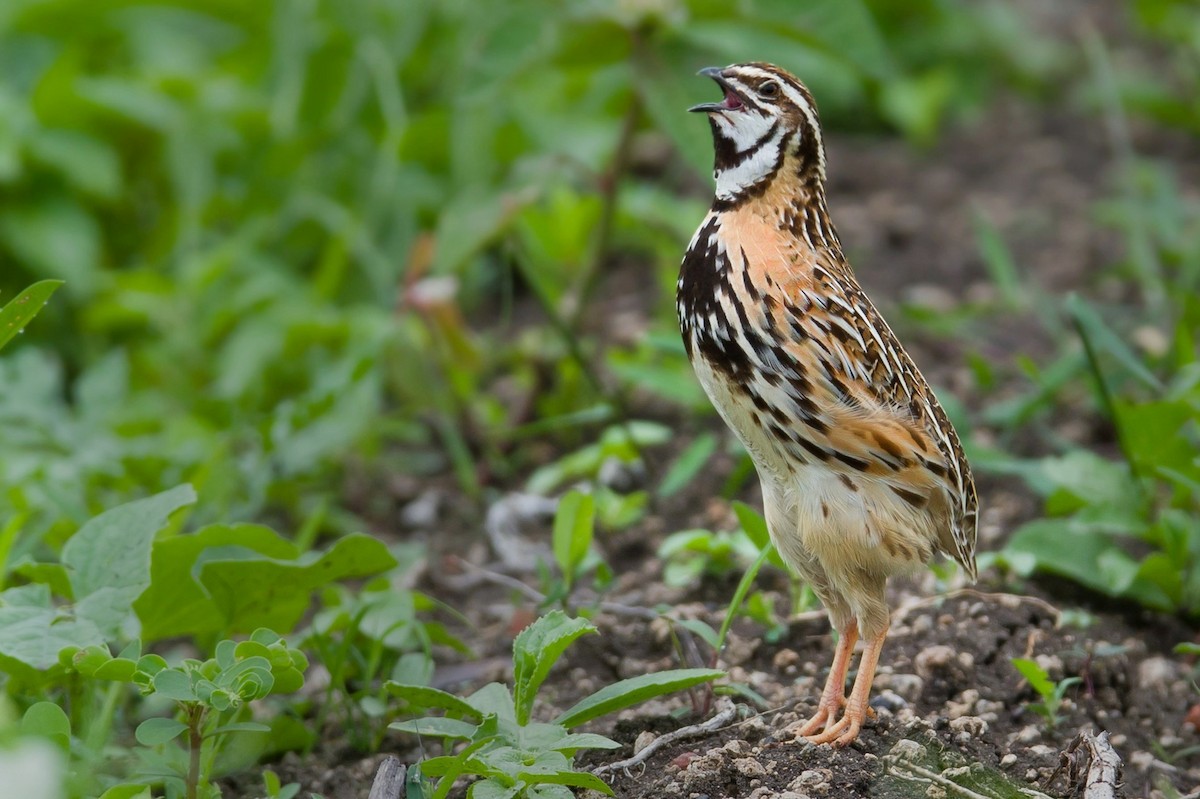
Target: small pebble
(1157,674)
(749,767)
(971,726)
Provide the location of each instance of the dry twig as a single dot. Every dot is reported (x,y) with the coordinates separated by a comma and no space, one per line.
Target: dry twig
(723,717)
(389,780)
(1103,766)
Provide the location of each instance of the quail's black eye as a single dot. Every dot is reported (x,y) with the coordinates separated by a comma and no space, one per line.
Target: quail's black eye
(769,89)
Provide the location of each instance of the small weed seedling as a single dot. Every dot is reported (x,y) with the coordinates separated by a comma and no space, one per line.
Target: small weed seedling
(211,697)
(363,637)
(574,531)
(689,554)
(512,755)
(1052,693)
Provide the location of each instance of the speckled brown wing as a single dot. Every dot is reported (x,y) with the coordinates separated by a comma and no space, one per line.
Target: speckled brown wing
(830,381)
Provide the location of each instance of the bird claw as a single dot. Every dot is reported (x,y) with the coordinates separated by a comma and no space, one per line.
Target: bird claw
(821,720)
(839,733)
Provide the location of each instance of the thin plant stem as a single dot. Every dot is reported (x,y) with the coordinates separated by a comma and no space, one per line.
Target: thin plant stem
(195,717)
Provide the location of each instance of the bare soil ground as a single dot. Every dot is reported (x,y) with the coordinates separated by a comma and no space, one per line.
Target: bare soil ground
(946,685)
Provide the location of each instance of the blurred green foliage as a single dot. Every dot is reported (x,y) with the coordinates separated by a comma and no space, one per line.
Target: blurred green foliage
(273,220)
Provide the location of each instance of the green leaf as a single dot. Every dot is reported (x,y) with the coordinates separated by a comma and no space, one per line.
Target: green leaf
(1100,335)
(55,237)
(469,222)
(90,164)
(493,789)
(1036,675)
(701,628)
(234,578)
(1086,478)
(574,525)
(174,684)
(127,792)
(753,523)
(109,558)
(32,636)
(584,740)
(535,650)
(436,728)
(424,697)
(1152,434)
(48,720)
(20,310)
(547,790)
(494,699)
(153,732)
(575,779)
(632,691)
(688,464)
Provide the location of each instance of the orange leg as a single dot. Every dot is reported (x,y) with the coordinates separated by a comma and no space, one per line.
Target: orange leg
(846,729)
(834,695)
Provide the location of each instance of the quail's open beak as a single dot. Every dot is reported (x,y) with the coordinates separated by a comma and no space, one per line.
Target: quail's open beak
(732,101)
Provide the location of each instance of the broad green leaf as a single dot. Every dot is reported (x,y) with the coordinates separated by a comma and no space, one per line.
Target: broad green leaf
(48,720)
(436,728)
(234,578)
(109,558)
(632,691)
(1064,547)
(538,735)
(494,699)
(548,790)
(535,650)
(1152,432)
(491,788)
(153,732)
(574,525)
(422,696)
(31,637)
(1157,583)
(176,603)
(20,310)
(1087,479)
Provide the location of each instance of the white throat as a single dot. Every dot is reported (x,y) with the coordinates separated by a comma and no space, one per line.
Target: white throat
(759,150)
